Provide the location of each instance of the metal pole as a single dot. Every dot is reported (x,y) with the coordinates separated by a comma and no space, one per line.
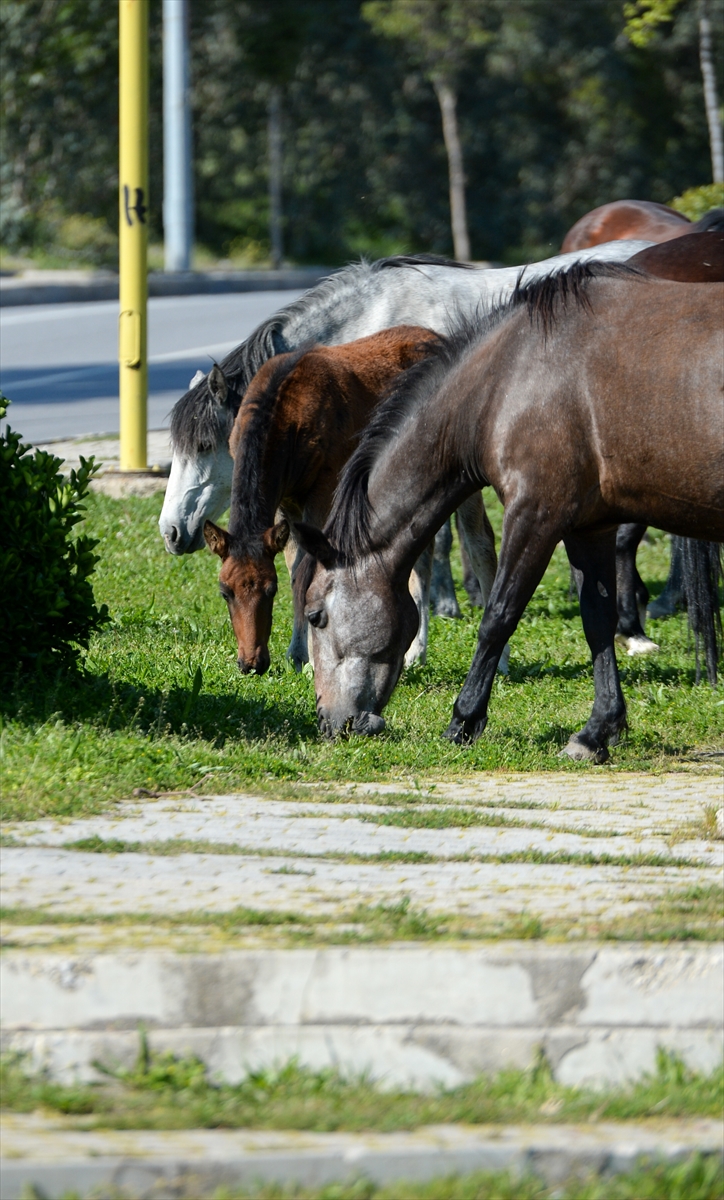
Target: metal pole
(133,229)
(177,175)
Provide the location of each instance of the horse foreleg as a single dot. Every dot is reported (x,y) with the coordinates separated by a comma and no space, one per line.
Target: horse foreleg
(476,535)
(471,583)
(442,589)
(525,552)
(631,592)
(420,577)
(593,559)
(298,650)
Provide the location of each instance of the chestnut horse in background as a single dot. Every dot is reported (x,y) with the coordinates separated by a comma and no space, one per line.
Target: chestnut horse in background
(623,219)
(296,428)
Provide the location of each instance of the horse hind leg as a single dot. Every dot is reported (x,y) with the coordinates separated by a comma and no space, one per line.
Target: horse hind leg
(420,578)
(443,600)
(632,594)
(593,559)
(672,597)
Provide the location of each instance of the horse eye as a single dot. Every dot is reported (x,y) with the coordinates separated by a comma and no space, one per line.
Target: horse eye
(317,618)
(226,594)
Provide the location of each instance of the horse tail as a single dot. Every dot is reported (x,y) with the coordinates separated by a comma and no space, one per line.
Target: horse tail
(703,570)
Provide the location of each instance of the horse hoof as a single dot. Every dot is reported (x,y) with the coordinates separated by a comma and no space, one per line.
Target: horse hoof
(637,644)
(464,733)
(662,608)
(416,656)
(447,606)
(580,752)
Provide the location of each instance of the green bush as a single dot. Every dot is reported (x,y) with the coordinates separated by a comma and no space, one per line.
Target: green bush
(695,203)
(49,610)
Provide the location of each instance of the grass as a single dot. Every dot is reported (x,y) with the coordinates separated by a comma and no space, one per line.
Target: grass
(165,1092)
(161,705)
(689,914)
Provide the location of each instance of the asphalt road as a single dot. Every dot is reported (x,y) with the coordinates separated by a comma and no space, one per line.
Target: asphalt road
(58,362)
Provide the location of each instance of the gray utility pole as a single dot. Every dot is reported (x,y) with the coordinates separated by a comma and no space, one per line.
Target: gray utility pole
(178,200)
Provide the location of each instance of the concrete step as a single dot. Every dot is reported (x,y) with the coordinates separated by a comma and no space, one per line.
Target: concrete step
(40,1153)
(410,1015)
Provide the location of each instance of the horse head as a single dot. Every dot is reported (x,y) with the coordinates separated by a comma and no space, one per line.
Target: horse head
(248,584)
(199,485)
(362,622)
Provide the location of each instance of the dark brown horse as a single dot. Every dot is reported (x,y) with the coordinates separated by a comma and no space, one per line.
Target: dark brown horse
(596,397)
(623,219)
(693,258)
(294,432)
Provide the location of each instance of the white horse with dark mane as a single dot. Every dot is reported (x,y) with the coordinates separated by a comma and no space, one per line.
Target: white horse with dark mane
(358,300)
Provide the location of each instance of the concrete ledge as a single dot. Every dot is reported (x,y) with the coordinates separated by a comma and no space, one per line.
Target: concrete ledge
(58,287)
(410,1015)
(193,1163)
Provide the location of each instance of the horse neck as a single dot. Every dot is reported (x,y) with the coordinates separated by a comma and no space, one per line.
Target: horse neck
(264,472)
(415,485)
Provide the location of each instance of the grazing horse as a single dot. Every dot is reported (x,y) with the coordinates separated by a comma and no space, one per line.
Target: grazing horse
(295,430)
(593,398)
(357,301)
(635,219)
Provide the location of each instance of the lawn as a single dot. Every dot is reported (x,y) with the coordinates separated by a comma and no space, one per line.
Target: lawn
(161,705)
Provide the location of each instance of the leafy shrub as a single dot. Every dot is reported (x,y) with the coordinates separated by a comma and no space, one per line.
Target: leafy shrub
(695,203)
(49,610)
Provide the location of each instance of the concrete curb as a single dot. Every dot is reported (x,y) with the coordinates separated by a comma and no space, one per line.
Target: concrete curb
(193,1163)
(78,286)
(410,1015)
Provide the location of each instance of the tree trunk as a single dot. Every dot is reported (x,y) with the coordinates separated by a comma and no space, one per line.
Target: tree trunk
(275,174)
(448,102)
(711,99)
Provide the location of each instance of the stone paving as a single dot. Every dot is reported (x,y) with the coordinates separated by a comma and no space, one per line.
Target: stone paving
(620,840)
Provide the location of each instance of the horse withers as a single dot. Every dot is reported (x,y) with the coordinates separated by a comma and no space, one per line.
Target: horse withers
(574,438)
(295,429)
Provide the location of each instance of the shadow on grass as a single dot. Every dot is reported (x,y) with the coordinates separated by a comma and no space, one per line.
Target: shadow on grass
(81,696)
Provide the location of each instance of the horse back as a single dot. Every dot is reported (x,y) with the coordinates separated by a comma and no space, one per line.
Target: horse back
(624,219)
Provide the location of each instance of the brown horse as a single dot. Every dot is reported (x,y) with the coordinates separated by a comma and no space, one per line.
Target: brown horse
(693,258)
(624,219)
(595,397)
(294,431)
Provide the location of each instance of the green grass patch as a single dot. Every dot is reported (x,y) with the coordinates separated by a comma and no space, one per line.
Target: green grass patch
(690,914)
(161,705)
(165,1092)
(466,817)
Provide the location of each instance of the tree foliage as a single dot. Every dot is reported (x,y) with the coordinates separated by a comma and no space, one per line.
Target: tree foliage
(566,114)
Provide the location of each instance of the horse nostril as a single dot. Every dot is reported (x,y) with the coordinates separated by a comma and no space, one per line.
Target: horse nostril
(173,535)
(245,667)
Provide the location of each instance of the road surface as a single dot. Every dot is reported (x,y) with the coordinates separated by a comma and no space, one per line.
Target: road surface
(58,362)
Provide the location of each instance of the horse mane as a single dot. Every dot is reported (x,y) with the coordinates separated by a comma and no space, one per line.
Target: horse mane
(712,221)
(348,525)
(200,423)
(546,297)
(247,518)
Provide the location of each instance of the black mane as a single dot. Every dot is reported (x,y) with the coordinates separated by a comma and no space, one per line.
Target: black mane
(248,517)
(546,297)
(420,260)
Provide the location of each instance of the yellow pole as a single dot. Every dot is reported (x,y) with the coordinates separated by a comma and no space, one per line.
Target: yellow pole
(133,229)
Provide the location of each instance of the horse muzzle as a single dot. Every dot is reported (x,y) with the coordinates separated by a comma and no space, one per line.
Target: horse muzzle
(257,665)
(364,724)
(179,542)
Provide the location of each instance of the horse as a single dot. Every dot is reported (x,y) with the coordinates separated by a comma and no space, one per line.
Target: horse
(358,300)
(294,431)
(693,258)
(635,219)
(593,398)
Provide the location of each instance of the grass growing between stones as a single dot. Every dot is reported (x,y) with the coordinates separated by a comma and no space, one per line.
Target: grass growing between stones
(161,705)
(690,914)
(165,1092)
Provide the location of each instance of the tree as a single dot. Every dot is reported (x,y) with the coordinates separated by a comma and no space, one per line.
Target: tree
(439,35)
(642,21)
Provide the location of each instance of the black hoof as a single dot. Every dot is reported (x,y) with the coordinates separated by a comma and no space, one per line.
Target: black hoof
(464,733)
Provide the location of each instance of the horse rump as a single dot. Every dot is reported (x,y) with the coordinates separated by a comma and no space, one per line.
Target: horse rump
(702,571)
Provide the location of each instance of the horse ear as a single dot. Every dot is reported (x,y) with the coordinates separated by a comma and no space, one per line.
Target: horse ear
(276,538)
(315,543)
(217,539)
(199,377)
(217,384)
